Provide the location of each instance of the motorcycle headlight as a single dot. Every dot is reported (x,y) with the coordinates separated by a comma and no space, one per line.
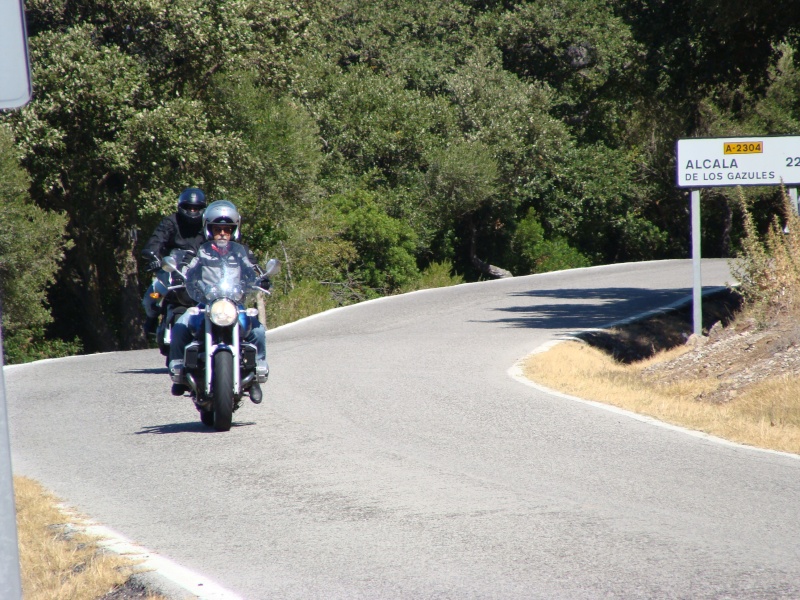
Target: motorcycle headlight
(223,313)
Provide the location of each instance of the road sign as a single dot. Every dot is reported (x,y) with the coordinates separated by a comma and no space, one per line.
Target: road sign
(731,161)
(15,75)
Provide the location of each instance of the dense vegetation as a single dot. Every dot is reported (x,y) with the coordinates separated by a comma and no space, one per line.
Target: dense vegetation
(374,147)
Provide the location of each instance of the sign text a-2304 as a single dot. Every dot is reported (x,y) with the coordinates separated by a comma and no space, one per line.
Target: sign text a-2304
(715,162)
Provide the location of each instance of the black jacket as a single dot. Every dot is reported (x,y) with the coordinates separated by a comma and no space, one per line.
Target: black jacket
(174,232)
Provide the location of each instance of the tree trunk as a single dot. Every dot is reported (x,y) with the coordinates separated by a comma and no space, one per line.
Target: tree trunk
(84,287)
(484,267)
(131,310)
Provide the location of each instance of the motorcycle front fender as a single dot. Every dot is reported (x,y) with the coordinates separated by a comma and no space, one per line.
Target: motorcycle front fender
(212,347)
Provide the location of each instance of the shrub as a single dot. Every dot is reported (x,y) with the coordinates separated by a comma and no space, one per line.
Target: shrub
(436,275)
(307,298)
(768,268)
(535,254)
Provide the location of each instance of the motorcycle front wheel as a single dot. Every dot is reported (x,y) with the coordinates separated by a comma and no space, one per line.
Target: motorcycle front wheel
(207,417)
(222,391)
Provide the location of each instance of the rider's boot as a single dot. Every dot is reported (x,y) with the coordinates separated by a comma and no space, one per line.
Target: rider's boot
(262,372)
(255,393)
(179,388)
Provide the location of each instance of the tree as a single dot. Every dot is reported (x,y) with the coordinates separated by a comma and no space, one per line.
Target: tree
(580,48)
(536,254)
(119,124)
(385,246)
(32,245)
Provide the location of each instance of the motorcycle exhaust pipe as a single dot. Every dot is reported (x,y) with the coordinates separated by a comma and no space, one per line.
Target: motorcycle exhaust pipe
(192,383)
(246,380)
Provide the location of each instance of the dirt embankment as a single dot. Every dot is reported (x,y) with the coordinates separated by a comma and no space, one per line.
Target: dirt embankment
(735,352)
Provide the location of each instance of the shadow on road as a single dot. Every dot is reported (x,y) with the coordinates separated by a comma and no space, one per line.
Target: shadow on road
(603,306)
(188,427)
(159,371)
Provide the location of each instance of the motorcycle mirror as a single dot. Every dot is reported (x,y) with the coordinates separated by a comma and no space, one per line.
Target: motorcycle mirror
(273,267)
(168,263)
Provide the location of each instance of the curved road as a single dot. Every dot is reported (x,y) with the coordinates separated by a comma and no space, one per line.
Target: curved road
(394,457)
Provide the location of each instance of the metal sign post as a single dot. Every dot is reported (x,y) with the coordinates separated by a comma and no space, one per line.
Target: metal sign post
(697,278)
(728,162)
(15,92)
(10,582)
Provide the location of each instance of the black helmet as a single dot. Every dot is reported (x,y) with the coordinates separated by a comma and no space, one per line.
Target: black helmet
(191,203)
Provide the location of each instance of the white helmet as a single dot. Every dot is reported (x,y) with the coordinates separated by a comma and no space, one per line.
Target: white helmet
(221,212)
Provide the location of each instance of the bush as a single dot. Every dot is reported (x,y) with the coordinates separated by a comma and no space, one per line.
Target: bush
(768,269)
(535,254)
(27,345)
(385,245)
(436,275)
(307,298)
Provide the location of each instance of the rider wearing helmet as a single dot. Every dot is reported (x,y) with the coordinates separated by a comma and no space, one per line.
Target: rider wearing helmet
(182,230)
(221,224)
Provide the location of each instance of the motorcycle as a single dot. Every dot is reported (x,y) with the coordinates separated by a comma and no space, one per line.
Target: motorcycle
(219,366)
(172,299)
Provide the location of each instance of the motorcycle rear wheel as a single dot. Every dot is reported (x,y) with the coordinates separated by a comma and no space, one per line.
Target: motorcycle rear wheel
(222,391)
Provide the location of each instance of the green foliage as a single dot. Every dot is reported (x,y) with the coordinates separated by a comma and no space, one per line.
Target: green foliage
(181,44)
(31,247)
(361,140)
(580,48)
(418,42)
(461,177)
(385,246)
(778,111)
(308,298)
(316,250)
(535,254)
(278,164)
(435,275)
(370,121)
(29,344)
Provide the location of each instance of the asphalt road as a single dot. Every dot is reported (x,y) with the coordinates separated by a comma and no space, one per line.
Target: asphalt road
(395,457)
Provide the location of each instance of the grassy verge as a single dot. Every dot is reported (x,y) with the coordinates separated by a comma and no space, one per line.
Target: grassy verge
(766,415)
(745,390)
(58,564)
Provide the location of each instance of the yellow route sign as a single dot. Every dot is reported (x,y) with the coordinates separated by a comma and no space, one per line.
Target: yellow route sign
(743,147)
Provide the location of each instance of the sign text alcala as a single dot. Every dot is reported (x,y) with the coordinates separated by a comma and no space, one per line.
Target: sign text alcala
(709,163)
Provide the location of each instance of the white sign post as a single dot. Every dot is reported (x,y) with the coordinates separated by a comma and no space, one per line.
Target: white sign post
(15,92)
(726,162)
(10,581)
(15,75)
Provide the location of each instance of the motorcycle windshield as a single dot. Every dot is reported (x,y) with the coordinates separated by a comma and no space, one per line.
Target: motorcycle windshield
(220,272)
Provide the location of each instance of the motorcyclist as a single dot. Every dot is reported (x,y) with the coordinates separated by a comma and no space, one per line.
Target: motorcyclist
(182,230)
(221,222)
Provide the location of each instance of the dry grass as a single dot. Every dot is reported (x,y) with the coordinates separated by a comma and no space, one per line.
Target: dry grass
(768,269)
(56,564)
(766,415)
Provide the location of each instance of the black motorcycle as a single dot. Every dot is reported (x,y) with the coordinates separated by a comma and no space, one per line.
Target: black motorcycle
(219,365)
(172,298)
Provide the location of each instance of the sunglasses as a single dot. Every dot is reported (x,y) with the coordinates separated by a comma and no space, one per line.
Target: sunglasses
(221,229)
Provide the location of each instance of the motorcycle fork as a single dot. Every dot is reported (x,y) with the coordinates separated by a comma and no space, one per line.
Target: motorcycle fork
(211,349)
